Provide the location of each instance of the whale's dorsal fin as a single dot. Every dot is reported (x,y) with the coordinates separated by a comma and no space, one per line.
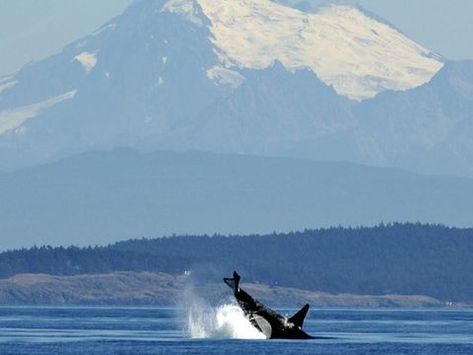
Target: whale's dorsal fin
(298,318)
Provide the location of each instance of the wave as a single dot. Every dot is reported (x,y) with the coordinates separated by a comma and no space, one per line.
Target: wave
(224,321)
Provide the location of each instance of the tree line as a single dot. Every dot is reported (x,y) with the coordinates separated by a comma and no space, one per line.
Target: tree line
(399,258)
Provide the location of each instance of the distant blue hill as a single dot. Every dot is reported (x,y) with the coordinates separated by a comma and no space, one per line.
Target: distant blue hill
(102,197)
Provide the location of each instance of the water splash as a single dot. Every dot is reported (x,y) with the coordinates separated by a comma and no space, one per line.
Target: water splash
(225,321)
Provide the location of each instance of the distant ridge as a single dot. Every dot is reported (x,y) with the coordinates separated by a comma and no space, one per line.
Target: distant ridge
(101,197)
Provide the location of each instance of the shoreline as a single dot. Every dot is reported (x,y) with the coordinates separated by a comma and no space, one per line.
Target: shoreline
(155,289)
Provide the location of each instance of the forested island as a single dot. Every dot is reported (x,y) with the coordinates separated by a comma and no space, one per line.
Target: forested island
(390,259)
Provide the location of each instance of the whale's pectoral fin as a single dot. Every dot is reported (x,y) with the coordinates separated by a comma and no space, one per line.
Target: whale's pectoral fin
(233,282)
(298,318)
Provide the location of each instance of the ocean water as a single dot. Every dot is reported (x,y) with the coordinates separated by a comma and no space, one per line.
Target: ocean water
(224,330)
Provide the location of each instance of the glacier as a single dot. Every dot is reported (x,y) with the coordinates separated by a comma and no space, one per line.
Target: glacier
(346,49)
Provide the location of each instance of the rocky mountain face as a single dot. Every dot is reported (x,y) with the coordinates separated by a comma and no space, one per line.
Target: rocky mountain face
(251,76)
(430,126)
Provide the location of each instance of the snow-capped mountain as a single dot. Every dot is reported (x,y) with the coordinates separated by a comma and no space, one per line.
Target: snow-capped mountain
(355,54)
(249,76)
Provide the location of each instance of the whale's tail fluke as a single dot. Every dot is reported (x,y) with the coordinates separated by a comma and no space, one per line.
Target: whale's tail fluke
(298,318)
(233,282)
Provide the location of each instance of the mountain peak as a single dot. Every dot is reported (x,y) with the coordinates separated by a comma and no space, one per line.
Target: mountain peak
(356,54)
(186,8)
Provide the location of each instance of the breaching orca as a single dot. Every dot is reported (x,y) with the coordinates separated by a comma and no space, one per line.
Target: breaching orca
(267,321)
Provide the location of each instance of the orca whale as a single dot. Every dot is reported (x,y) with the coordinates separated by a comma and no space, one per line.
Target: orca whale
(267,321)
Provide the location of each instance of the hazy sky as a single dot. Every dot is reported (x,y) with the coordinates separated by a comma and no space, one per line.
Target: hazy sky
(33,29)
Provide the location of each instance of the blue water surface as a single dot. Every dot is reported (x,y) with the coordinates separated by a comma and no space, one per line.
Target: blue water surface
(119,330)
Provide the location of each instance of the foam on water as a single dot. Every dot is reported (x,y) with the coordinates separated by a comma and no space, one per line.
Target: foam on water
(225,321)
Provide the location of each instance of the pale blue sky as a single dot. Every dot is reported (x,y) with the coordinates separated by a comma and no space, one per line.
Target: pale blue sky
(33,29)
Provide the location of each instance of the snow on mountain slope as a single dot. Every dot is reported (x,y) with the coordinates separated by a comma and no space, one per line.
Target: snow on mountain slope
(247,76)
(87,60)
(13,119)
(6,83)
(186,8)
(357,55)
